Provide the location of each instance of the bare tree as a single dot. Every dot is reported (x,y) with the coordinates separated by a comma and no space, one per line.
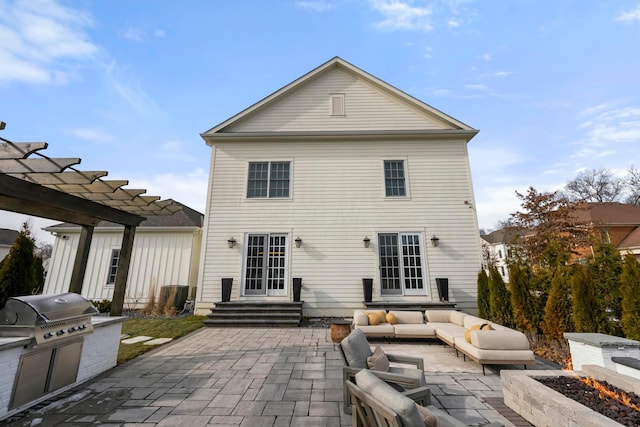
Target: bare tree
(633,186)
(594,185)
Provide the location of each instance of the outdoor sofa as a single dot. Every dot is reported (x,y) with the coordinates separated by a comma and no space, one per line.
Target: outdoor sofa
(485,342)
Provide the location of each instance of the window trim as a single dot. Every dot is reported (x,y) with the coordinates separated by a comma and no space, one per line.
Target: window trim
(332,98)
(269,161)
(405,166)
(115,255)
(287,256)
(426,291)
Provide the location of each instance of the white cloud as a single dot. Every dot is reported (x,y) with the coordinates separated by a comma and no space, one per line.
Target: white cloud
(485,57)
(39,40)
(95,135)
(629,15)
(139,35)
(401,15)
(316,6)
(190,189)
(453,23)
(130,89)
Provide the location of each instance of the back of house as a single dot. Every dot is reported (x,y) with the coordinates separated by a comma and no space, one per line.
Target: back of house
(338,179)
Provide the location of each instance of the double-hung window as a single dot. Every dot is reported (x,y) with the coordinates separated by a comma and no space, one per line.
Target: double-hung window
(401,264)
(269,180)
(394,178)
(113,266)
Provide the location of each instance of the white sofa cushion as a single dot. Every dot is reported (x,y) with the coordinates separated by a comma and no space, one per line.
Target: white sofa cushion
(381,330)
(500,340)
(408,316)
(491,355)
(470,321)
(360,318)
(414,330)
(447,332)
(457,317)
(439,316)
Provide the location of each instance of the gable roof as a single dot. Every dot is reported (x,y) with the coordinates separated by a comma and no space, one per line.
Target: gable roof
(503,235)
(609,214)
(453,125)
(185,217)
(8,236)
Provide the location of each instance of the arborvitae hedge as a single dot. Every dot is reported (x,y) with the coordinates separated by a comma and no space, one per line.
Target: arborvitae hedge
(499,300)
(483,295)
(18,272)
(557,311)
(630,280)
(521,299)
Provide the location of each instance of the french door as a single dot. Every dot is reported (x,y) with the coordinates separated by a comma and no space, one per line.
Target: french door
(401,264)
(266,265)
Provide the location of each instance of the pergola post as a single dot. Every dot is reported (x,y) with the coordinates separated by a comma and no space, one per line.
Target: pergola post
(124,261)
(82,256)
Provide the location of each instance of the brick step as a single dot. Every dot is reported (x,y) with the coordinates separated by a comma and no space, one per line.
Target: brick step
(255,314)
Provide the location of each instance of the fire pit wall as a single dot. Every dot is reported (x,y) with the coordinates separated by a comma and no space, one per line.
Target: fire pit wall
(544,407)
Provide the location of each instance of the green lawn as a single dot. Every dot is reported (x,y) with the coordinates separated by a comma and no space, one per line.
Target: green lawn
(170,327)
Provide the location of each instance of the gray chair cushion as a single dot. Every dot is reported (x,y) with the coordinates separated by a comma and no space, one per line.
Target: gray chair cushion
(356,349)
(394,400)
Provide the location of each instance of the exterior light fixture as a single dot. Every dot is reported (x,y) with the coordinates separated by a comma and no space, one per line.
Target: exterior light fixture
(366,241)
(232,243)
(298,242)
(435,241)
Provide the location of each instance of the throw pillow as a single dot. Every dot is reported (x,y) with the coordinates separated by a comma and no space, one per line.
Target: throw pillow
(373,319)
(360,318)
(391,318)
(486,327)
(428,418)
(467,334)
(378,361)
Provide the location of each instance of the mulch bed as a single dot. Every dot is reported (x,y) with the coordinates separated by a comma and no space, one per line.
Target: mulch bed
(586,395)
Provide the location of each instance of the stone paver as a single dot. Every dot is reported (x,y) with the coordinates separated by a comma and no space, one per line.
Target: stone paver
(252,377)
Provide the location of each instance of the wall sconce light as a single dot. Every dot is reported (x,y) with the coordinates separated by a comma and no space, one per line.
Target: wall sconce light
(298,242)
(366,241)
(435,241)
(232,243)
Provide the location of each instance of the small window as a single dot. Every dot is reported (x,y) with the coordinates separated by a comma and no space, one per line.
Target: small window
(500,253)
(502,271)
(113,266)
(268,180)
(337,105)
(394,178)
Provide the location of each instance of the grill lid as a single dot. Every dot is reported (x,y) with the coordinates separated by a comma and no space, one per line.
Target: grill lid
(33,309)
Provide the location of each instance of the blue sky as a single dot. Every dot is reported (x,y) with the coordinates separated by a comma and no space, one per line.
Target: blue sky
(128,86)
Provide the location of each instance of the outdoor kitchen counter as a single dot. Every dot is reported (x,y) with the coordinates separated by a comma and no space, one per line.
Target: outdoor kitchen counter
(11,342)
(99,353)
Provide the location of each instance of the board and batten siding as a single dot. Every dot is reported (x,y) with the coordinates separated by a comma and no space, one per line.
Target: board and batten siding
(163,258)
(337,198)
(366,107)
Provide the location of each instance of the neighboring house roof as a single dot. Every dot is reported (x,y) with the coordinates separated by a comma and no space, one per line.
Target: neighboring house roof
(631,241)
(185,217)
(447,123)
(610,214)
(504,235)
(8,236)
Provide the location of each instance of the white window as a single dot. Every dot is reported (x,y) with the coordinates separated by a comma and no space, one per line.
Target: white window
(265,261)
(337,104)
(268,180)
(394,181)
(401,264)
(113,266)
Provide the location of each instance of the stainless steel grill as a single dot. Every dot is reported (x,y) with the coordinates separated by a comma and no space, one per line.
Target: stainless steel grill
(56,325)
(46,318)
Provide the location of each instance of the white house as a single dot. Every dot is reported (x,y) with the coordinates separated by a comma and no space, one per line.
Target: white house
(7,239)
(496,248)
(336,177)
(166,252)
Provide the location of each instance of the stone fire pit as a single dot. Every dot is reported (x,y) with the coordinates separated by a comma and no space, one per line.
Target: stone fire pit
(542,406)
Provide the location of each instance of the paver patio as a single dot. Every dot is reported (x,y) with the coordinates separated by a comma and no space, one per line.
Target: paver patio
(252,377)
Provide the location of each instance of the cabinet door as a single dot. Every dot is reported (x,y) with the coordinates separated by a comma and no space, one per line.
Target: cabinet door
(31,381)
(64,369)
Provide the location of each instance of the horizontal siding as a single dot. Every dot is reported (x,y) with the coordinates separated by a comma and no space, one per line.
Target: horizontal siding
(366,107)
(163,259)
(337,200)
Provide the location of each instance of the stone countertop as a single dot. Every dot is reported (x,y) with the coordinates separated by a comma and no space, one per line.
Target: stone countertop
(601,340)
(100,321)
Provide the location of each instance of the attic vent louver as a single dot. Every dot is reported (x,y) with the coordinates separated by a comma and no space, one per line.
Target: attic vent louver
(337,104)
